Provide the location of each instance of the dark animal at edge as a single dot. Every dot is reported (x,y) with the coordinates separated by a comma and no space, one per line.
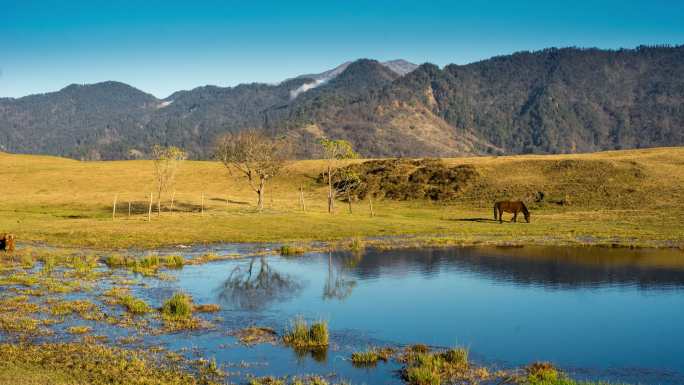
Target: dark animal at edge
(7,242)
(510,207)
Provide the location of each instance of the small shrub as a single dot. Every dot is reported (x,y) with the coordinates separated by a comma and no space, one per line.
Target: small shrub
(178,306)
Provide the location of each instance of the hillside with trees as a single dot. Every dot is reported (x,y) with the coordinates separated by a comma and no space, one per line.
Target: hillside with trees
(550,101)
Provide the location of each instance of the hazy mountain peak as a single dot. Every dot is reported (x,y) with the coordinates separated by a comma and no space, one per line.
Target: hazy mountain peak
(399,66)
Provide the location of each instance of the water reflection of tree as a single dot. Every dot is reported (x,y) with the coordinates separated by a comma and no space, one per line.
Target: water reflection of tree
(318,354)
(257,285)
(337,286)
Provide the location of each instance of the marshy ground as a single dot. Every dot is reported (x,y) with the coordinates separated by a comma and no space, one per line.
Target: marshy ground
(60,313)
(88,309)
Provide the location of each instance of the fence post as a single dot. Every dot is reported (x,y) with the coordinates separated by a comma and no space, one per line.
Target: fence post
(129,209)
(370,203)
(202,205)
(149,210)
(116,197)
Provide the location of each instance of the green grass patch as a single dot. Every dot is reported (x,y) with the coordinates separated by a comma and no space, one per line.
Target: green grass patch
(622,197)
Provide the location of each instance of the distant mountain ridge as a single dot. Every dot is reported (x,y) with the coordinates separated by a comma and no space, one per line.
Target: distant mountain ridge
(549,101)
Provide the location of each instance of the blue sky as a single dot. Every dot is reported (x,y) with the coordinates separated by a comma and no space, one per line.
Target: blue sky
(164,46)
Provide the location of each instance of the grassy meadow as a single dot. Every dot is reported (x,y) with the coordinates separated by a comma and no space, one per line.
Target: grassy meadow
(627,198)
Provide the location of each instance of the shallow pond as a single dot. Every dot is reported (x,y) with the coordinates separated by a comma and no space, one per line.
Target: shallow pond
(614,314)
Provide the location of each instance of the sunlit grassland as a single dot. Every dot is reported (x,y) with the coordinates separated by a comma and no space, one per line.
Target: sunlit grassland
(65,202)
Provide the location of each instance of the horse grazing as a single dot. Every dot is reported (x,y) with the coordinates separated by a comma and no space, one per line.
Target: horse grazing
(7,242)
(510,207)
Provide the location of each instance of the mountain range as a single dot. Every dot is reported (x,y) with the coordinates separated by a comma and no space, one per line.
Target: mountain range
(548,101)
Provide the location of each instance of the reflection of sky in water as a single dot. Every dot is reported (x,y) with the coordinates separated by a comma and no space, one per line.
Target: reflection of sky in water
(596,313)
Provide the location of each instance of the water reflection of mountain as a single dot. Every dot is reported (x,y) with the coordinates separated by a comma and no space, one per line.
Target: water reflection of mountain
(554,268)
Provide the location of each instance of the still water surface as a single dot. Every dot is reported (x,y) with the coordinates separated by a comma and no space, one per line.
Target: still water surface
(598,313)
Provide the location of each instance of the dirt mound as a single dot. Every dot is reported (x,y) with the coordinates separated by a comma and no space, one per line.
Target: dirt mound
(404,179)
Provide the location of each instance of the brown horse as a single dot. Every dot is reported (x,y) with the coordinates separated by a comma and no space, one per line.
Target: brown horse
(510,207)
(7,242)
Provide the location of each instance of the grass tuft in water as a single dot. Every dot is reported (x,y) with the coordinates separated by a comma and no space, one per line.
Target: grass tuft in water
(371,357)
(450,366)
(255,335)
(545,373)
(179,306)
(134,305)
(79,329)
(422,375)
(302,335)
(118,260)
(173,261)
(303,380)
(367,358)
(458,356)
(290,250)
(48,266)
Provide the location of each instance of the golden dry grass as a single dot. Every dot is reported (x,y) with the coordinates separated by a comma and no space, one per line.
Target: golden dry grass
(630,197)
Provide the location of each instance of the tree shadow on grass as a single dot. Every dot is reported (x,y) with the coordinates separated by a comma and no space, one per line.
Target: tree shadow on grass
(142,207)
(225,200)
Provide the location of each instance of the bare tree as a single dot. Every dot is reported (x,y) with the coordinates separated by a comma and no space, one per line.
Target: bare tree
(347,181)
(255,155)
(333,152)
(166,162)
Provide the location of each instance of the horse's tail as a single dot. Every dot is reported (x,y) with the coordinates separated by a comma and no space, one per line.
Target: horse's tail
(524,208)
(495,204)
